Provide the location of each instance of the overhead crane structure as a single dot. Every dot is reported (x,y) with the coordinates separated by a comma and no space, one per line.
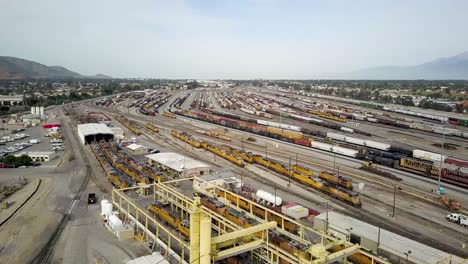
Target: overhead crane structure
(214,237)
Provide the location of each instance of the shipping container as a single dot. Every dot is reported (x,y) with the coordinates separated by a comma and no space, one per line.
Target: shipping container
(345,151)
(320,145)
(426,155)
(377,145)
(336,136)
(354,140)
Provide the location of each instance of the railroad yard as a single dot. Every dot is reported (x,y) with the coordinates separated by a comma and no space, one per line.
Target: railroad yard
(261,151)
(353,160)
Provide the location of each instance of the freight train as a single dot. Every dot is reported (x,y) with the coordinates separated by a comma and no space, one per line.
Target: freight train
(114,176)
(208,146)
(387,155)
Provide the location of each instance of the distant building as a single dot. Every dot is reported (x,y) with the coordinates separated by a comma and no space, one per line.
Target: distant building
(39,155)
(136,149)
(94,132)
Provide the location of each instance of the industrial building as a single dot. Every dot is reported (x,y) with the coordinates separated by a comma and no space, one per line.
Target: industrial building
(178,164)
(372,238)
(136,149)
(94,132)
(39,155)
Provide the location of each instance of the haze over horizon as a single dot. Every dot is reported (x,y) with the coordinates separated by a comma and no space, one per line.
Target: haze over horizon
(231,39)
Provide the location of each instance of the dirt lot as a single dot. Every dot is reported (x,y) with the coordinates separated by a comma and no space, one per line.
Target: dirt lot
(29,227)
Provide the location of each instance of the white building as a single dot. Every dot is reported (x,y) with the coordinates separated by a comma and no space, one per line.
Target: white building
(394,247)
(136,149)
(39,155)
(94,132)
(178,164)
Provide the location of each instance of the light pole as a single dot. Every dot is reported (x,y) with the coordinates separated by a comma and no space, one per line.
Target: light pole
(349,233)
(334,162)
(394,200)
(441,159)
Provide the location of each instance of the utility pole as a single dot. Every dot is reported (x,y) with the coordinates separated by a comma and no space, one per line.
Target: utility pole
(275,195)
(289,174)
(326,210)
(441,160)
(334,162)
(394,200)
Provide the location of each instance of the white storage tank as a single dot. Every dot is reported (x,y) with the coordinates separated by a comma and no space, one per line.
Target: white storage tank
(268,197)
(33,110)
(114,222)
(38,110)
(106,208)
(42,111)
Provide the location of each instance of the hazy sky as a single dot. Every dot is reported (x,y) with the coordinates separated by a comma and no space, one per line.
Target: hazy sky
(231,39)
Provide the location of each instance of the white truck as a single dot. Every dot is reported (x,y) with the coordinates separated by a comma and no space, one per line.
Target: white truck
(458,218)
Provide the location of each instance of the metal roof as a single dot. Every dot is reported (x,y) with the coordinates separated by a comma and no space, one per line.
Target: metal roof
(93,129)
(389,241)
(134,146)
(176,161)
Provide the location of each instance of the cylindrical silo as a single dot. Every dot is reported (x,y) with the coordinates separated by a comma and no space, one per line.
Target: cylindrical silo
(42,111)
(38,110)
(33,110)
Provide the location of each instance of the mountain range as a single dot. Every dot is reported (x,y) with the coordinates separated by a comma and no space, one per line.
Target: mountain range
(12,68)
(450,68)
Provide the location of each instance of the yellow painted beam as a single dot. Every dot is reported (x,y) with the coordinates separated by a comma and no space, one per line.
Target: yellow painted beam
(337,255)
(243,232)
(237,250)
(335,243)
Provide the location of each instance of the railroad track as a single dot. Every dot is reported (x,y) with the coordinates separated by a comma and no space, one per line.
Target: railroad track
(358,213)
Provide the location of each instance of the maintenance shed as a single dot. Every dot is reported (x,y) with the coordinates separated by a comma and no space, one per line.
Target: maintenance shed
(94,132)
(179,165)
(39,155)
(394,247)
(136,149)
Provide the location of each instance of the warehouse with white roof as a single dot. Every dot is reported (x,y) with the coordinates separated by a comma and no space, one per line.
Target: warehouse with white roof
(394,247)
(94,132)
(179,165)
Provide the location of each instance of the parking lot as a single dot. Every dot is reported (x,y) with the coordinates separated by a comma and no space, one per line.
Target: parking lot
(28,143)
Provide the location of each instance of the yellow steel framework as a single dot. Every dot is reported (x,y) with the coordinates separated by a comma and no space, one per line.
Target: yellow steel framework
(230,239)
